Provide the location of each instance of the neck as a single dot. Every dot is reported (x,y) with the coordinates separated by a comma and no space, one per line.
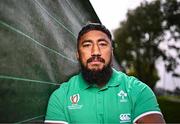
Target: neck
(100,85)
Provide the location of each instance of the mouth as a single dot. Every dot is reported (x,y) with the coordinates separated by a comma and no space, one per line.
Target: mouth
(96,60)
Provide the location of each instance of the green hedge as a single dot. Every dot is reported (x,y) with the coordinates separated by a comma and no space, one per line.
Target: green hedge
(170,107)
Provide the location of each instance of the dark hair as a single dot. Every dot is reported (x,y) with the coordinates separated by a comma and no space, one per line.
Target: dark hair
(93,26)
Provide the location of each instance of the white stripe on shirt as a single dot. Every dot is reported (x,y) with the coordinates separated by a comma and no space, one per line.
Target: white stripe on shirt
(58,122)
(146,113)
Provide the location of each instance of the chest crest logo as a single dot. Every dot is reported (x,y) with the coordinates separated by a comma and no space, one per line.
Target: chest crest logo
(123,96)
(74,102)
(75,98)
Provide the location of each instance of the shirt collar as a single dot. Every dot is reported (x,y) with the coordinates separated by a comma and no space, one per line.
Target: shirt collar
(114,79)
(82,83)
(112,82)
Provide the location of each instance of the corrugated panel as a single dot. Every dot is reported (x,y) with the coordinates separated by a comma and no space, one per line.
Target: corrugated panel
(37,51)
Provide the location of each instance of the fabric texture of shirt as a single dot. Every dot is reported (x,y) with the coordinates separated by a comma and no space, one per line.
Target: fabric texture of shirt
(124,99)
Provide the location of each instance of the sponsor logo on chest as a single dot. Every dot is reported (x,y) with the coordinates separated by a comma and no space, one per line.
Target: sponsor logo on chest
(74,102)
(126,117)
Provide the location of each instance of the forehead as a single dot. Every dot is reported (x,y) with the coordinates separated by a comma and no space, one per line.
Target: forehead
(94,34)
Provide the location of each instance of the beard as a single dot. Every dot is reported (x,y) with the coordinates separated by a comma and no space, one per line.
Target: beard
(98,77)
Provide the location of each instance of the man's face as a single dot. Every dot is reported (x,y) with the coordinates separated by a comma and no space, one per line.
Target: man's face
(94,50)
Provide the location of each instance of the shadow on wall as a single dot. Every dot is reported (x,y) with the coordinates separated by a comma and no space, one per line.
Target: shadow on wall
(37,51)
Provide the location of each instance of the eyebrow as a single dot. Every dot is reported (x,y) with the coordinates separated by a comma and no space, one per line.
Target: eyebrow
(102,39)
(90,41)
(85,41)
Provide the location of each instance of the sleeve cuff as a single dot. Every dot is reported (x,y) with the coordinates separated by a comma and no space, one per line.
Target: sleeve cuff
(56,122)
(146,113)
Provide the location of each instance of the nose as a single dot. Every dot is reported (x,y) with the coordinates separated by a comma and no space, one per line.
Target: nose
(95,51)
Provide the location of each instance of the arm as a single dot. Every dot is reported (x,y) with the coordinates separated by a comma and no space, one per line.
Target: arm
(55,111)
(151,118)
(146,108)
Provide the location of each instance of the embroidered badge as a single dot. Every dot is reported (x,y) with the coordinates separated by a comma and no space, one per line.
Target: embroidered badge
(122,96)
(74,98)
(74,102)
(126,117)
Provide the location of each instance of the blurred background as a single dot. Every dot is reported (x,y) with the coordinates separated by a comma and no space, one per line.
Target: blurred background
(38,44)
(147,45)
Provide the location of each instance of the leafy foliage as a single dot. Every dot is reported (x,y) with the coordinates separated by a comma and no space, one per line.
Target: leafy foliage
(137,39)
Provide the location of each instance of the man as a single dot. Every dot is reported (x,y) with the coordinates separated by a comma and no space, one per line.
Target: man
(100,94)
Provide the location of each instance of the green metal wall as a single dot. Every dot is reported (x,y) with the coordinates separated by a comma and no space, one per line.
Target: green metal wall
(37,52)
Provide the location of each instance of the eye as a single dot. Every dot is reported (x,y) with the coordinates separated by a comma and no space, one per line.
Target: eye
(86,44)
(103,43)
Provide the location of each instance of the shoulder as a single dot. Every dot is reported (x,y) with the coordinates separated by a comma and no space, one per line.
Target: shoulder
(131,84)
(142,98)
(66,86)
(129,81)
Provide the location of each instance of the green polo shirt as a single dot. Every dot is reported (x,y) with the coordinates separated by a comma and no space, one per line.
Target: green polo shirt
(123,100)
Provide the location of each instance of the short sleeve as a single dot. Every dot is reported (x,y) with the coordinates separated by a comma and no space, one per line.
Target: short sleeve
(145,101)
(55,110)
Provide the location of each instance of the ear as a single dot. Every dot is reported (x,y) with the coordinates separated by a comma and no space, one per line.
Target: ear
(112,51)
(112,55)
(77,55)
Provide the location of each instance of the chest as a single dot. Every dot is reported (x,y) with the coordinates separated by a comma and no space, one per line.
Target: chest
(112,105)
